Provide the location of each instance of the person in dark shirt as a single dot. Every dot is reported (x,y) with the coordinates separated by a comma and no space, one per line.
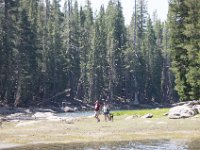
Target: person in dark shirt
(97,110)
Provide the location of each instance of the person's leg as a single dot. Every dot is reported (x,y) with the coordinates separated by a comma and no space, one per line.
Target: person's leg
(108,116)
(97,116)
(105,116)
(98,120)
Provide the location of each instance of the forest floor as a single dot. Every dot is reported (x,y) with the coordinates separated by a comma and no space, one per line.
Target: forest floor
(86,129)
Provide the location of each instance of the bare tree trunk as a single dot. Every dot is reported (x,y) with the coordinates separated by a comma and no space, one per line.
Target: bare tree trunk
(136,101)
(18,94)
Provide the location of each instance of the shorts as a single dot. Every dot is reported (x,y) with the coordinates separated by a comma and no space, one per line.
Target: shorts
(96,113)
(106,113)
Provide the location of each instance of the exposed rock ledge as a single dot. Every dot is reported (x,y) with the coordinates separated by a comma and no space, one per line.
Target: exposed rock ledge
(185,110)
(22,114)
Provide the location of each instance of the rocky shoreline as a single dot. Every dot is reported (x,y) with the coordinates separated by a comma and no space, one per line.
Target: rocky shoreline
(180,110)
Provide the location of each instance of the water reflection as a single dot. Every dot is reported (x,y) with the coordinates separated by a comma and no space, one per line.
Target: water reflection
(134,145)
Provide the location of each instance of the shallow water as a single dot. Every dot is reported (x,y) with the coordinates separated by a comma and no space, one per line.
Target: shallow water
(132,145)
(76,114)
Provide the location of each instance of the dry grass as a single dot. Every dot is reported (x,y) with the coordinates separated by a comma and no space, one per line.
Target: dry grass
(88,130)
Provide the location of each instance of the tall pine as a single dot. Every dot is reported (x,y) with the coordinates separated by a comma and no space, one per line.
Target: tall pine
(192,46)
(184,31)
(100,61)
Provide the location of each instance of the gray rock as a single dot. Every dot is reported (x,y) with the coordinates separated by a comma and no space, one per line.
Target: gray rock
(184,111)
(194,102)
(68,109)
(147,116)
(165,114)
(196,108)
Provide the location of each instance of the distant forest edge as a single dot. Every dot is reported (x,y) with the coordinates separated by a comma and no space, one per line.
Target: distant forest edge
(49,55)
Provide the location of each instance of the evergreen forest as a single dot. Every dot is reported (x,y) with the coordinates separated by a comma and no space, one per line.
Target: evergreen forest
(51,53)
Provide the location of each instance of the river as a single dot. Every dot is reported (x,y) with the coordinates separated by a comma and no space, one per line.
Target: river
(130,145)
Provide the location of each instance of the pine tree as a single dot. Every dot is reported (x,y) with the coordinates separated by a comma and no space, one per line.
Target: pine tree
(119,53)
(141,20)
(24,61)
(130,61)
(100,52)
(86,53)
(43,19)
(177,18)
(55,54)
(110,14)
(157,61)
(8,49)
(149,56)
(168,94)
(192,46)
(72,47)
(140,23)
(1,44)
(35,51)
(116,41)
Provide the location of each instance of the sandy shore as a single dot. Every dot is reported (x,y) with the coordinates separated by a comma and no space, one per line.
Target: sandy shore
(88,130)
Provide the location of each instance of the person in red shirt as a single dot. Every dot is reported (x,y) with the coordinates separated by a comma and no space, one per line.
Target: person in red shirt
(97,110)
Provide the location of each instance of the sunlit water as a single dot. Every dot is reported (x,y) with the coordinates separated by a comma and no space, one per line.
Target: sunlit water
(133,145)
(76,114)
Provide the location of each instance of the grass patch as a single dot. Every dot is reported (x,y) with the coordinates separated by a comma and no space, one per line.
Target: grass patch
(156,112)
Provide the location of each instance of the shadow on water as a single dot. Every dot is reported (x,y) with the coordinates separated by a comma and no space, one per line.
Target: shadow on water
(131,145)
